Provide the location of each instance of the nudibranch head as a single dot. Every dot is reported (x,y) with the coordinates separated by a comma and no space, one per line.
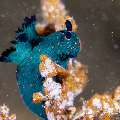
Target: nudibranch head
(61,45)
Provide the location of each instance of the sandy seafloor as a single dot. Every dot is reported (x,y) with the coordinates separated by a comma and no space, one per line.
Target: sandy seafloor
(98,20)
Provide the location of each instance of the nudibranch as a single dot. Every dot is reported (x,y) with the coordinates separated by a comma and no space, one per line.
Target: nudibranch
(55,39)
(28,46)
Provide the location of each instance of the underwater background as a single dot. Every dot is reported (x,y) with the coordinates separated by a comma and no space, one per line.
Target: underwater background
(99,29)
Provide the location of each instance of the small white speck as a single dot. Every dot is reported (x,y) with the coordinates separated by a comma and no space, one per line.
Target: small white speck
(7,95)
(116,46)
(2,15)
(93,24)
(112,32)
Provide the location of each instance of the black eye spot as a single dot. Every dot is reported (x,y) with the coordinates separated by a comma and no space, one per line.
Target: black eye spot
(68,25)
(68,35)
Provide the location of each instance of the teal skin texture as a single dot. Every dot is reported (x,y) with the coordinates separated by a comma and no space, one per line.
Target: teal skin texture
(25,53)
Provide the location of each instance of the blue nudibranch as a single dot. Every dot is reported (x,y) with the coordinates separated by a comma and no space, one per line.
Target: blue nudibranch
(26,49)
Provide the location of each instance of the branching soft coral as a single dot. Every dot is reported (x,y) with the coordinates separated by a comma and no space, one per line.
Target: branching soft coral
(100,106)
(5,113)
(61,87)
(54,14)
